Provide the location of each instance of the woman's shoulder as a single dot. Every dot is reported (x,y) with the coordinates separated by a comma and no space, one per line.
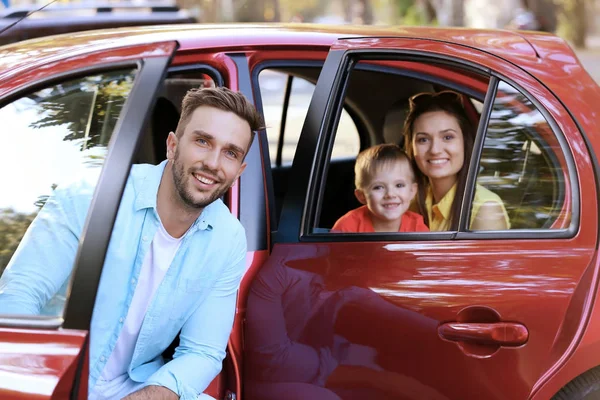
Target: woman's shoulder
(484,195)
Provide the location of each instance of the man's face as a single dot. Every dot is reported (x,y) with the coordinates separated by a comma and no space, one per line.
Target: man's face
(208,157)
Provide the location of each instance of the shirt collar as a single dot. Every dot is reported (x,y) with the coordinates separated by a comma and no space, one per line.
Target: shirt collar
(443,207)
(147,188)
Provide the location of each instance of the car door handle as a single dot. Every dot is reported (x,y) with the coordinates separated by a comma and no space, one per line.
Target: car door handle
(510,334)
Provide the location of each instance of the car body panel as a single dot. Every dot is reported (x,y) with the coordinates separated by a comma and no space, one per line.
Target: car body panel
(419,277)
(37,364)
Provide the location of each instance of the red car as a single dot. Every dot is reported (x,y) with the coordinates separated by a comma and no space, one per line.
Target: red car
(458,314)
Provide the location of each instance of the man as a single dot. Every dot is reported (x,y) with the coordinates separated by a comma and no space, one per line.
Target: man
(174,262)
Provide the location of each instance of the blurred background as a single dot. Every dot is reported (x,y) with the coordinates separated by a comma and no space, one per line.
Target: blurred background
(575,20)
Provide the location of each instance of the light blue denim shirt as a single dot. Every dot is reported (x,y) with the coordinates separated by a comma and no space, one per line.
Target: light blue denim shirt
(196,296)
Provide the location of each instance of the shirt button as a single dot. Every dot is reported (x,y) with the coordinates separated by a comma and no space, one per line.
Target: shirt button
(121,320)
(132,281)
(145,238)
(102,359)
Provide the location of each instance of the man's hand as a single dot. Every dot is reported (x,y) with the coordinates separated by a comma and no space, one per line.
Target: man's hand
(153,393)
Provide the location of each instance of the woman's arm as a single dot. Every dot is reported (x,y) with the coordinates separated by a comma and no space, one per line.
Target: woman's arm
(491,216)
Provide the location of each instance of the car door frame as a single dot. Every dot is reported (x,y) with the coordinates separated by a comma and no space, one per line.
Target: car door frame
(295,226)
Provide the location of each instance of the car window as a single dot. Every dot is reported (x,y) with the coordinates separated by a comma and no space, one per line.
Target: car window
(57,135)
(522,162)
(272,86)
(384,111)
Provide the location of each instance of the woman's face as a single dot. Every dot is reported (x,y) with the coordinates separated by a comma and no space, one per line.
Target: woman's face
(438,146)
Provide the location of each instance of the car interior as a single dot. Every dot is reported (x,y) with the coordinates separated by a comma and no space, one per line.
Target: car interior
(377,101)
(526,179)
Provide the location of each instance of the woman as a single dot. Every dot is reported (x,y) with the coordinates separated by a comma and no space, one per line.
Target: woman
(439,139)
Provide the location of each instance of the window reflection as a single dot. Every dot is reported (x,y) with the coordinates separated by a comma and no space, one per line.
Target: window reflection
(519,162)
(56,134)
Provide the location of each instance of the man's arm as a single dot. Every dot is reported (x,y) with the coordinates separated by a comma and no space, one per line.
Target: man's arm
(203,338)
(152,393)
(45,257)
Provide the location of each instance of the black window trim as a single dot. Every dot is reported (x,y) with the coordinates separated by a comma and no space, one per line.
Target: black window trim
(253,214)
(480,135)
(307,215)
(287,63)
(126,136)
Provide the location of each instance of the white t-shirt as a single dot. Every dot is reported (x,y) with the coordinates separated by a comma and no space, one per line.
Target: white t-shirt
(156,263)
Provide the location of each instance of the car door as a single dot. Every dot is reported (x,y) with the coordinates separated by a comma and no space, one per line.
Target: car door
(78,115)
(458,314)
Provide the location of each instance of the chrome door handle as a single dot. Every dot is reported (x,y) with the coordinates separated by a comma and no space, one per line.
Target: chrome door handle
(508,334)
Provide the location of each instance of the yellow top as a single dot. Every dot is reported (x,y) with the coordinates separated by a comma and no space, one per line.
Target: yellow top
(439,214)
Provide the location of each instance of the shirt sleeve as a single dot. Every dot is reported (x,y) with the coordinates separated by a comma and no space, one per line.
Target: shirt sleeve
(204,336)
(45,256)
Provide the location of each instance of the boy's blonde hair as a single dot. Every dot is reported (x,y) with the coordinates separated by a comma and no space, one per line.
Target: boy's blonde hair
(369,160)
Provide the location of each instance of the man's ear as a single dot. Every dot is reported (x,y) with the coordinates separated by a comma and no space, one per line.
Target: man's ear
(360,196)
(242,168)
(172,142)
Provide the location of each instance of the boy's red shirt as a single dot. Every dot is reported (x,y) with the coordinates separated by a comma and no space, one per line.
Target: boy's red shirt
(359,220)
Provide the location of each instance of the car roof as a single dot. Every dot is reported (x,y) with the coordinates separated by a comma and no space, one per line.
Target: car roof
(518,47)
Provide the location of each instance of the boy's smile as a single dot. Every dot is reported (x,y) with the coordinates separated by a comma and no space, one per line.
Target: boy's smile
(388,195)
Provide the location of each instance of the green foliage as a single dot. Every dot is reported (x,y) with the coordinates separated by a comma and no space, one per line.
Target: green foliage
(12,228)
(410,12)
(571,21)
(88,108)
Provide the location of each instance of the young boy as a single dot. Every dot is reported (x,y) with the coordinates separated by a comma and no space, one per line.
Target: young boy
(385,184)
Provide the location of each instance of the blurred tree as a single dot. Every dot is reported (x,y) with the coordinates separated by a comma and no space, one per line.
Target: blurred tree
(12,228)
(571,21)
(358,11)
(428,10)
(545,12)
(249,10)
(416,12)
(446,12)
(86,108)
(257,10)
(304,11)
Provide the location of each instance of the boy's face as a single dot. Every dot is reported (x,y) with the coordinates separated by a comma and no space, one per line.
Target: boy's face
(389,191)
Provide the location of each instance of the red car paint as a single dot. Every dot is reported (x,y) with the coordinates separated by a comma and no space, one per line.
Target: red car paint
(457,294)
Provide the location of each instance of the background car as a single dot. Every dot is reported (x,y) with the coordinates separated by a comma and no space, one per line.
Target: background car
(451,315)
(35,21)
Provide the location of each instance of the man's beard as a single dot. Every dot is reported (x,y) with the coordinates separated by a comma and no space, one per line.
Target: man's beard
(185,195)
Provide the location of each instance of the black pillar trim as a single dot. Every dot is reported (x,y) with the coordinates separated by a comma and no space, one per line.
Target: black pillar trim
(253,207)
(107,197)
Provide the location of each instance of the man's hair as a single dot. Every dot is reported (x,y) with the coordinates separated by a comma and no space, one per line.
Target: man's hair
(373,158)
(221,98)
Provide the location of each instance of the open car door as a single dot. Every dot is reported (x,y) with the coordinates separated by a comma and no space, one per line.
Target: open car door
(67,116)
